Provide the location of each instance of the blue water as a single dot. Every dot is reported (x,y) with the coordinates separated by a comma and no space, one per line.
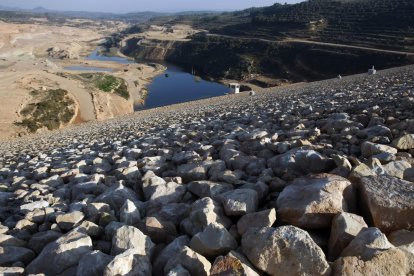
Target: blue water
(176,86)
(171,87)
(86,68)
(96,56)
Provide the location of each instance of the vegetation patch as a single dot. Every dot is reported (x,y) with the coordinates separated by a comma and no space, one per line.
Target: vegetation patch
(50,109)
(106,83)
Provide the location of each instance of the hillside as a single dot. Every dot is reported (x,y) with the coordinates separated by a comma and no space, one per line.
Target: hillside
(309,41)
(308,179)
(385,24)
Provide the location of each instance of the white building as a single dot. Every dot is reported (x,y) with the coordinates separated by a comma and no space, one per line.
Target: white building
(372,71)
(235,87)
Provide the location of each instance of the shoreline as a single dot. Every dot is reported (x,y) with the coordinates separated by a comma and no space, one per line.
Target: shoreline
(148,118)
(27,65)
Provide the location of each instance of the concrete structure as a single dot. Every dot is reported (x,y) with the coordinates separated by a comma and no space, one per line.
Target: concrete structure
(372,71)
(236,87)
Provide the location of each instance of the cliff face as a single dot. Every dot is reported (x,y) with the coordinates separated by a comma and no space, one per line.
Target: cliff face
(243,59)
(150,49)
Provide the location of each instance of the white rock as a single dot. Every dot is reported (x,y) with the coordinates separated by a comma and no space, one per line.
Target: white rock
(239,202)
(285,250)
(128,237)
(131,262)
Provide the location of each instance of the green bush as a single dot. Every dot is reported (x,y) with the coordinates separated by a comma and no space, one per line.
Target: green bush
(52,109)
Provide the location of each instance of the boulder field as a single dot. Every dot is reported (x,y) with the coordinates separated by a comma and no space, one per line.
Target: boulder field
(311,179)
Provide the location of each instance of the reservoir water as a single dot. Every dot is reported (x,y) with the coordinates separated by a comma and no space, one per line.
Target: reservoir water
(96,56)
(177,86)
(173,86)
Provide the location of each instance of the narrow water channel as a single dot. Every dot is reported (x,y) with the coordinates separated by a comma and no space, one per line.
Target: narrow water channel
(172,86)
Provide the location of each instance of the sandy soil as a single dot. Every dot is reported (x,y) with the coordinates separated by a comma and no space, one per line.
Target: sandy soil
(26,64)
(178,32)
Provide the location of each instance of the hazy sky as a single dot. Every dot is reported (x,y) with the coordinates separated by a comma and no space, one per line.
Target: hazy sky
(141,5)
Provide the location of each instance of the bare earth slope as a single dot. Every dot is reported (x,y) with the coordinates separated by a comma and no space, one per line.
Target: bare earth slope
(33,57)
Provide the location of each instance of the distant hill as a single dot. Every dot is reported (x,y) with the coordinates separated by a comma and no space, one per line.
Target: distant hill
(388,24)
(134,17)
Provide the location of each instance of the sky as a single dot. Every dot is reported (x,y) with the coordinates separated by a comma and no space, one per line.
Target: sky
(122,6)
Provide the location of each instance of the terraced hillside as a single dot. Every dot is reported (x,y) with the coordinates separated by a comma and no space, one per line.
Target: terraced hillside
(312,179)
(385,24)
(309,41)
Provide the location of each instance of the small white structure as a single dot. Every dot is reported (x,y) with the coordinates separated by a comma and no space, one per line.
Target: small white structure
(236,87)
(339,77)
(252,93)
(372,71)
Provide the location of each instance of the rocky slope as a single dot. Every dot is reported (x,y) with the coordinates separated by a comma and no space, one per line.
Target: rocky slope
(313,179)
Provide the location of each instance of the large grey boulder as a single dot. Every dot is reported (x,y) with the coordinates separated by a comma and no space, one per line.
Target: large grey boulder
(345,227)
(285,250)
(367,244)
(214,240)
(369,149)
(374,131)
(156,164)
(312,202)
(12,254)
(193,171)
(405,142)
(39,240)
(264,218)
(170,250)
(389,202)
(8,240)
(202,213)
(128,237)
(208,188)
(61,254)
(129,213)
(404,240)
(130,262)
(164,193)
(397,168)
(93,263)
(195,263)
(28,207)
(158,230)
(391,262)
(68,221)
(116,196)
(300,162)
(239,202)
